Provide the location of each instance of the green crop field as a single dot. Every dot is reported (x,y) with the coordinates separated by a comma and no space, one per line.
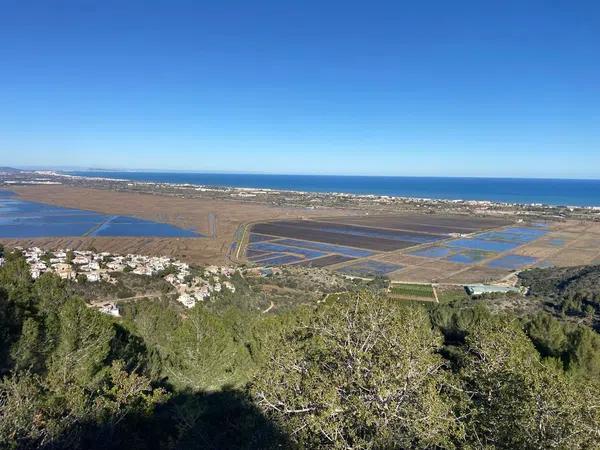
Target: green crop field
(448,295)
(412,290)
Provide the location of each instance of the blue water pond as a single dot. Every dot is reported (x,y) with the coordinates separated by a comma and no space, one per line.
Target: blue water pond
(328,248)
(25,219)
(482,244)
(369,267)
(272,247)
(432,252)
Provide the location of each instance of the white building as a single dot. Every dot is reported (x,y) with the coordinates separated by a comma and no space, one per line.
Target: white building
(202,292)
(171,278)
(115,266)
(143,271)
(81,260)
(229,285)
(111,309)
(211,270)
(93,276)
(64,271)
(481,289)
(187,300)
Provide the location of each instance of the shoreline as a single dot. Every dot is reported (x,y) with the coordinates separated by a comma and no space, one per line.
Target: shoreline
(304,202)
(187,207)
(364,196)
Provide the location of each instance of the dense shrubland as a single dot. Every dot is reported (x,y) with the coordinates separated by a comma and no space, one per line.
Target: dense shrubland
(358,371)
(567,291)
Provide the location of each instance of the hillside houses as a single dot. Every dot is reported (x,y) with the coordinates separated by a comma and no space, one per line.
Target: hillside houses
(94,267)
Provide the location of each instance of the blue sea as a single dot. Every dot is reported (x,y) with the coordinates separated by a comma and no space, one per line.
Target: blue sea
(510,190)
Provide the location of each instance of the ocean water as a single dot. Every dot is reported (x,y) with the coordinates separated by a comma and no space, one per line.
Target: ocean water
(511,190)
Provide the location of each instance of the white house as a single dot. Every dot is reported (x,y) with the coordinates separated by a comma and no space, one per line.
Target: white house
(187,300)
(111,309)
(229,285)
(81,260)
(93,276)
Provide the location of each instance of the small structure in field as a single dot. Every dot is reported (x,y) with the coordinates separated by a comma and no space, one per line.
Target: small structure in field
(475,290)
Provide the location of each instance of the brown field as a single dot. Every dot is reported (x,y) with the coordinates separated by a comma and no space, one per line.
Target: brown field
(187,213)
(417,275)
(400,258)
(587,243)
(446,266)
(575,257)
(379,233)
(477,274)
(537,251)
(422,222)
(324,261)
(315,235)
(234,218)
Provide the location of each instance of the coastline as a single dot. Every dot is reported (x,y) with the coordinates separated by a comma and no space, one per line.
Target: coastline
(193,206)
(334,194)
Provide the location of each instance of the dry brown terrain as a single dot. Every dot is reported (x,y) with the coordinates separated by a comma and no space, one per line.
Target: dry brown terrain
(187,213)
(580,240)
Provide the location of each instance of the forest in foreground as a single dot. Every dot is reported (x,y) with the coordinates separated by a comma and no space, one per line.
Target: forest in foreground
(357,371)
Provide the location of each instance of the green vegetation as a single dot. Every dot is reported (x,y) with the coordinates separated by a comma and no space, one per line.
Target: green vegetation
(569,292)
(449,294)
(412,290)
(358,370)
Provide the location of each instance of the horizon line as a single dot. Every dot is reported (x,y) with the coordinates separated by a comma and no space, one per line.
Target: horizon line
(219,172)
(222,172)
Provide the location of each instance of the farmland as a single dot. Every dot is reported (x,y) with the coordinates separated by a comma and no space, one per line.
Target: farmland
(184,213)
(444,248)
(413,292)
(424,248)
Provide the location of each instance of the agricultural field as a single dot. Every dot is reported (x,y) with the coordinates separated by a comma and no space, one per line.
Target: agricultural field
(423,248)
(413,292)
(217,224)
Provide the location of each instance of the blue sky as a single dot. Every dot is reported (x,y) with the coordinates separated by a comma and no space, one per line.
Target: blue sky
(499,88)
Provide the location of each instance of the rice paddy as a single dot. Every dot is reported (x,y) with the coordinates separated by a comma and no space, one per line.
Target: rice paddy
(329,248)
(278,248)
(417,247)
(482,244)
(433,252)
(470,256)
(369,268)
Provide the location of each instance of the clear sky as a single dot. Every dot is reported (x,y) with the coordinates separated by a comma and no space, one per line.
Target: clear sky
(481,88)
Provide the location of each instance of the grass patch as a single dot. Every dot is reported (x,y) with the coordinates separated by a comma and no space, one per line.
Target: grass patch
(451,294)
(412,290)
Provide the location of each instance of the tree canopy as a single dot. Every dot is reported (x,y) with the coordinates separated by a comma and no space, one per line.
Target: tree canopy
(359,370)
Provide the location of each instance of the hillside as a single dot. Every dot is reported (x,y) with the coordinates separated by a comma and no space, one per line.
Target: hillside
(568,291)
(359,370)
